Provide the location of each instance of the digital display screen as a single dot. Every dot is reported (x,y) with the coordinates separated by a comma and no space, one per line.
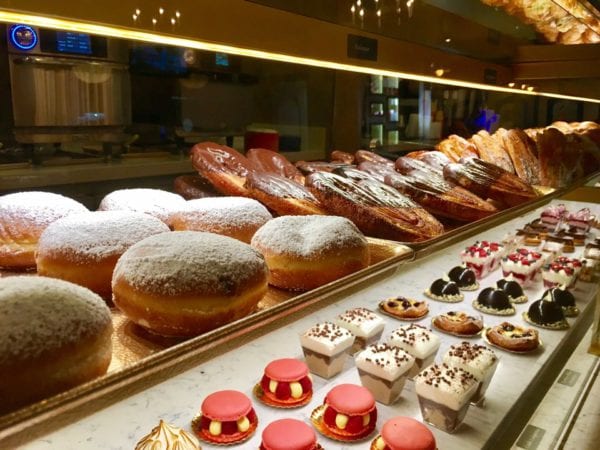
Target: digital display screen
(74,43)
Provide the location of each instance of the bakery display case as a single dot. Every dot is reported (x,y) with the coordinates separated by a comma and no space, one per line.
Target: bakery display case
(466,143)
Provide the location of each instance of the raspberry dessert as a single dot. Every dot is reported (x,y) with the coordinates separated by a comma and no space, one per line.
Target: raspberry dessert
(580,220)
(523,265)
(553,214)
(560,273)
(325,348)
(286,383)
(483,257)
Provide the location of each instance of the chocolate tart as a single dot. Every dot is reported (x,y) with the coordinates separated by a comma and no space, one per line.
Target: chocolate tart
(464,277)
(494,301)
(546,314)
(444,291)
(564,298)
(513,289)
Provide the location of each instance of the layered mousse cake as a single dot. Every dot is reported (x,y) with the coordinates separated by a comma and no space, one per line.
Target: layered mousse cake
(444,394)
(417,341)
(404,433)
(513,289)
(383,370)
(553,215)
(564,298)
(464,277)
(286,383)
(546,314)
(325,348)
(364,324)
(348,413)
(483,257)
(581,220)
(226,417)
(444,290)
(478,360)
(557,274)
(523,265)
(494,301)
(289,434)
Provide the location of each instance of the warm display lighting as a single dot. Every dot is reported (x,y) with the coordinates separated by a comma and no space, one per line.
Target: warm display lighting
(155,38)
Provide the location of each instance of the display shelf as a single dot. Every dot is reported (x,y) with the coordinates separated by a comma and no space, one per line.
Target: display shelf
(511,398)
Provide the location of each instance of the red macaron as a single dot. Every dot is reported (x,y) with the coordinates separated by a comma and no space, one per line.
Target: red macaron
(350,411)
(289,434)
(406,433)
(286,383)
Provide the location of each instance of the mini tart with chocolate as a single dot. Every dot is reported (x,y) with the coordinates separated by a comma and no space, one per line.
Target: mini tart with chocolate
(513,289)
(494,301)
(514,338)
(286,383)
(348,413)
(226,417)
(444,290)
(546,314)
(564,298)
(404,433)
(404,308)
(458,322)
(464,277)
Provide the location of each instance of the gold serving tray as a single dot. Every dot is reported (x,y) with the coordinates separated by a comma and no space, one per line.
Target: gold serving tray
(141,359)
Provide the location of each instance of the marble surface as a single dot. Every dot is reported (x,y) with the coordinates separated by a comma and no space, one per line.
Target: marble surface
(178,399)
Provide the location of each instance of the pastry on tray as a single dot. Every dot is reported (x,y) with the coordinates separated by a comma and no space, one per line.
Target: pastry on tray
(464,277)
(286,383)
(444,290)
(459,323)
(494,301)
(383,370)
(404,433)
(419,342)
(513,289)
(523,265)
(226,417)
(364,324)
(514,338)
(325,348)
(404,308)
(546,314)
(564,298)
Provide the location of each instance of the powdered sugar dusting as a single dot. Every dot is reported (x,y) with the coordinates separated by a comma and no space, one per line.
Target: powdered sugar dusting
(157,203)
(34,209)
(97,235)
(232,212)
(39,314)
(181,262)
(308,235)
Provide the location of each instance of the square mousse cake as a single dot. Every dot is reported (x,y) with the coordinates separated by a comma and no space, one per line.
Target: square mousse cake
(417,341)
(325,348)
(444,394)
(483,257)
(478,360)
(364,324)
(523,265)
(383,370)
(552,215)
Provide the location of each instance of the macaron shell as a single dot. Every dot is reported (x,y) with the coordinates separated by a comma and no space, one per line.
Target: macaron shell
(226,405)
(350,399)
(405,433)
(287,369)
(288,434)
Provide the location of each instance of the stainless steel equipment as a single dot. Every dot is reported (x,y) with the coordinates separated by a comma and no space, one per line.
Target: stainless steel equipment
(67,86)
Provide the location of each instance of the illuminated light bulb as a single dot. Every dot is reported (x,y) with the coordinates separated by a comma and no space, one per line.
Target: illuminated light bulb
(177,14)
(447,40)
(173,21)
(352,9)
(362,12)
(378,13)
(134,16)
(523,86)
(530,88)
(439,72)
(511,84)
(161,11)
(154,21)
(358,2)
(138,11)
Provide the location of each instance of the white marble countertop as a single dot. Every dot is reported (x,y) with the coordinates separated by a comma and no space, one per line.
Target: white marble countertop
(178,399)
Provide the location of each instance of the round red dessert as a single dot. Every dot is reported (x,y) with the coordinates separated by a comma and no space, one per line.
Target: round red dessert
(227,416)
(289,434)
(286,382)
(350,411)
(405,433)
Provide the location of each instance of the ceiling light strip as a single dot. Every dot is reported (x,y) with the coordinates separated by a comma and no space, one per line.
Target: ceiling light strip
(144,36)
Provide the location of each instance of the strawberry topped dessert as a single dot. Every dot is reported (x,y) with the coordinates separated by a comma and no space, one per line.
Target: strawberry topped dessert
(523,265)
(483,257)
(286,383)
(562,271)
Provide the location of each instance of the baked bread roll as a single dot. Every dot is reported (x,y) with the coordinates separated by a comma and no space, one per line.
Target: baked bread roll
(54,336)
(522,154)
(155,202)
(23,218)
(185,283)
(84,248)
(491,149)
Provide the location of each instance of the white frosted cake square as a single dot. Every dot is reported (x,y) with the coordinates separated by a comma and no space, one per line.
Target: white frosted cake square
(325,347)
(478,360)
(383,370)
(419,342)
(364,324)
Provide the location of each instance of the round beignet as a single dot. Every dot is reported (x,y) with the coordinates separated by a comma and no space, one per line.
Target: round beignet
(23,218)
(305,252)
(185,283)
(236,217)
(84,248)
(54,336)
(156,202)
